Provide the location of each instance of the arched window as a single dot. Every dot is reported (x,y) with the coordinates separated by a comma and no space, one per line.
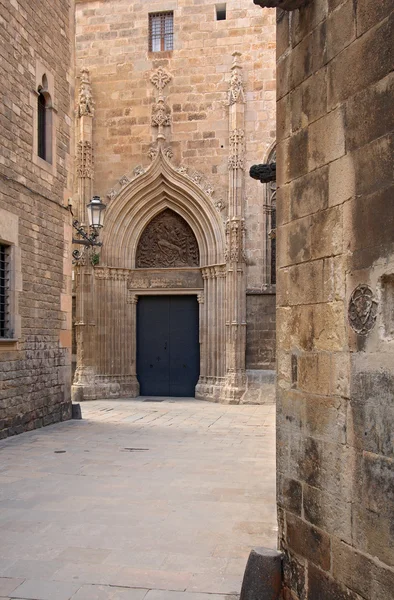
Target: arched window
(44,122)
(270,225)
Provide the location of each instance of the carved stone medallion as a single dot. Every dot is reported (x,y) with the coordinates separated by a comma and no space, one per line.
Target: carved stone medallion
(168,241)
(362,309)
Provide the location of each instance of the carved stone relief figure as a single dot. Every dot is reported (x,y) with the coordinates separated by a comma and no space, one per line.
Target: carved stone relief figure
(85,104)
(168,241)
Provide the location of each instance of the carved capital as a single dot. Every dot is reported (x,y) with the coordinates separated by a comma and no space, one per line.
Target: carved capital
(131,298)
(200,298)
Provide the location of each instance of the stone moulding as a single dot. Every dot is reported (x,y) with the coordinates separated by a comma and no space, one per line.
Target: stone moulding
(200,180)
(283,4)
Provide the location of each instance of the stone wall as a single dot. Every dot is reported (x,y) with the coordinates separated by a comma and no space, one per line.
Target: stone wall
(260,330)
(335,300)
(34,219)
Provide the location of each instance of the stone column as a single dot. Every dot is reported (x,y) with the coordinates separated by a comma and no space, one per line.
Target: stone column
(84,279)
(235,381)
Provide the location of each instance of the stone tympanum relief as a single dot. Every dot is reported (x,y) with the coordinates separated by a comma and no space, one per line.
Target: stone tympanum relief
(362,309)
(167,241)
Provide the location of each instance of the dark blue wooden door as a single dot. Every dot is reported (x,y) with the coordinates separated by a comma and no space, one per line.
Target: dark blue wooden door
(168,351)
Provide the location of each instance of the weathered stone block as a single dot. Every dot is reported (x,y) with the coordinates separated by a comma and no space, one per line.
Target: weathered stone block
(308,542)
(309,194)
(372,412)
(327,233)
(324,587)
(326,139)
(364,62)
(328,512)
(341,29)
(309,100)
(304,60)
(369,13)
(290,495)
(373,108)
(314,373)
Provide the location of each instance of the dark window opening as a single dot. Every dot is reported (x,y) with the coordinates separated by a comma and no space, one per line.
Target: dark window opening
(4,291)
(221,12)
(161,32)
(273,245)
(42,126)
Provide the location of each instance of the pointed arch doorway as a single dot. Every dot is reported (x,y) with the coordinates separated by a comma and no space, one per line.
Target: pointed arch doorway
(168,352)
(191,256)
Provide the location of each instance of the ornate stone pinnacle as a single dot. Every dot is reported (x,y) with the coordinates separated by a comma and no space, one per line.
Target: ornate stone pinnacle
(85,105)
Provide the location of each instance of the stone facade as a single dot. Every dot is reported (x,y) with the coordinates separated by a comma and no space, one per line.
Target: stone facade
(35,224)
(174,130)
(335,300)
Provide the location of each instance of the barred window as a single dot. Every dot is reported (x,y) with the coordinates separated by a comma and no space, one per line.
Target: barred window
(5,325)
(161,32)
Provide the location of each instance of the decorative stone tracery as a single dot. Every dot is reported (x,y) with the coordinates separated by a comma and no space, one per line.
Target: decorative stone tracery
(161,111)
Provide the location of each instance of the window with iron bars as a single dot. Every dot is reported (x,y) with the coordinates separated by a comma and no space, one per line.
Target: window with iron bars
(5,324)
(161,32)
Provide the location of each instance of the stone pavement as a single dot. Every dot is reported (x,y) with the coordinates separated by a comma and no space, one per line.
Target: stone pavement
(141,500)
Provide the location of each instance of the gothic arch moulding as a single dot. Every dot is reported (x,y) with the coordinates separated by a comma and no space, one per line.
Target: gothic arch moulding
(161,187)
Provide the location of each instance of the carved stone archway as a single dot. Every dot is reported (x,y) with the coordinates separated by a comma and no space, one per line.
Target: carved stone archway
(185,258)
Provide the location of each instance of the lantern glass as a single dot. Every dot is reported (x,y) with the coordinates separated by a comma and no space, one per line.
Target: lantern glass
(96,210)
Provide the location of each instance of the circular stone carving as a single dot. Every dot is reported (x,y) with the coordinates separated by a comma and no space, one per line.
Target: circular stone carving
(362,309)
(167,241)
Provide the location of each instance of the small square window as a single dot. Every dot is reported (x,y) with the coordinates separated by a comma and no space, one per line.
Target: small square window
(5,292)
(221,12)
(161,32)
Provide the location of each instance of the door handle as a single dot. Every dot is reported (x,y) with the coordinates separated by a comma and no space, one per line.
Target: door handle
(165,345)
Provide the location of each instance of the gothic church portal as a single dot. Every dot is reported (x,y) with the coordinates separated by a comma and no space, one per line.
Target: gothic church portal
(161,137)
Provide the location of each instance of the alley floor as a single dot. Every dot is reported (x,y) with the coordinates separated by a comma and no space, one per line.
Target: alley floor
(141,500)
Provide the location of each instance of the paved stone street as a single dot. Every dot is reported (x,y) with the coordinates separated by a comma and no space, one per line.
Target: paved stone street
(139,500)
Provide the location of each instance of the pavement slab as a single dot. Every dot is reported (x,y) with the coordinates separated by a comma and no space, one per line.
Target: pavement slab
(141,500)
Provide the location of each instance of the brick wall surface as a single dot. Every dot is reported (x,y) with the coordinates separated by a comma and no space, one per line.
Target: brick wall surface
(335,232)
(35,369)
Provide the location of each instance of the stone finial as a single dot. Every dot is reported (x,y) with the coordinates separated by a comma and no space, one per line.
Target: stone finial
(85,105)
(283,4)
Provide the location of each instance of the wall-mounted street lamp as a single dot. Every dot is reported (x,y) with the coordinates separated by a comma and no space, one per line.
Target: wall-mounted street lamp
(89,239)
